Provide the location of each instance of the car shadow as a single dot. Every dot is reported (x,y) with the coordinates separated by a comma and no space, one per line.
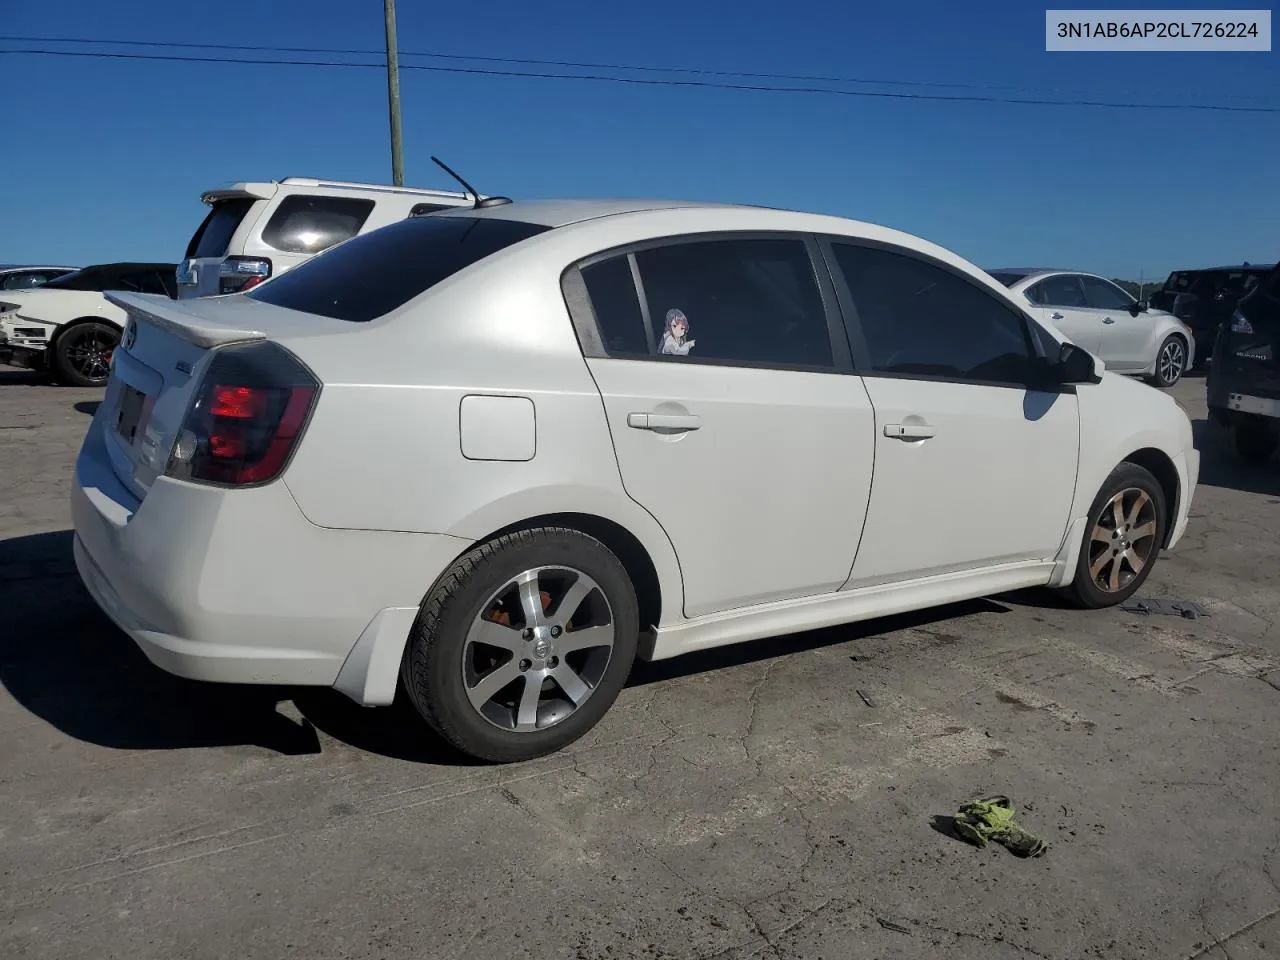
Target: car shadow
(1220,466)
(88,407)
(66,663)
(20,375)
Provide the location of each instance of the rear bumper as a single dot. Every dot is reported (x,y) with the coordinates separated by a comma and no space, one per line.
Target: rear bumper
(237,586)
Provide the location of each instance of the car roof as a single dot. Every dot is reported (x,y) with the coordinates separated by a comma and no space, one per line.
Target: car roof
(129,265)
(1263,267)
(562,212)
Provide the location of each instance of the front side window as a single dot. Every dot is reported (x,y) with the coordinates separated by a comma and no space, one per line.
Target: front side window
(1063,290)
(384,269)
(1103,295)
(747,301)
(303,224)
(919,319)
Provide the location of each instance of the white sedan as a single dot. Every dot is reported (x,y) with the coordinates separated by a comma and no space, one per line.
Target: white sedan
(67,327)
(502,452)
(1101,317)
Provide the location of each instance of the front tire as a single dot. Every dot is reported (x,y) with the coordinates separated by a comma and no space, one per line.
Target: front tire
(1123,539)
(1171,362)
(81,354)
(523,645)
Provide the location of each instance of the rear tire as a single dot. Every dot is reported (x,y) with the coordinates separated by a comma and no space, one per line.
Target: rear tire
(1255,442)
(503,686)
(1123,539)
(81,353)
(1171,362)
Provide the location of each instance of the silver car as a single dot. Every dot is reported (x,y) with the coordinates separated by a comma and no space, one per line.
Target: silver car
(1096,314)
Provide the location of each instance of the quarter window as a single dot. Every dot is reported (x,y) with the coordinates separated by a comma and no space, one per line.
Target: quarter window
(919,319)
(1063,290)
(303,224)
(748,301)
(1105,296)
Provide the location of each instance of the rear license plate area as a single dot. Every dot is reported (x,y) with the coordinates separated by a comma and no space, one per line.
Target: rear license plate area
(131,411)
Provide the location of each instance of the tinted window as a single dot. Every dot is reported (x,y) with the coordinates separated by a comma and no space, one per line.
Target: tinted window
(1063,290)
(613,298)
(383,269)
(919,318)
(90,279)
(311,224)
(29,279)
(1105,296)
(214,235)
(750,301)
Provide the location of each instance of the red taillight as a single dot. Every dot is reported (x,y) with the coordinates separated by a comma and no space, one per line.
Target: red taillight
(251,283)
(250,411)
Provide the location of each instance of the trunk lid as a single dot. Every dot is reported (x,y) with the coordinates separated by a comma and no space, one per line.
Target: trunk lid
(158,366)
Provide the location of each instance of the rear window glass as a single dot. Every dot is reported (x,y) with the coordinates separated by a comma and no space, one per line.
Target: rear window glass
(384,269)
(214,235)
(304,224)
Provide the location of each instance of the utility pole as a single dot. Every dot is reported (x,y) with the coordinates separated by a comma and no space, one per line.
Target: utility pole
(393,94)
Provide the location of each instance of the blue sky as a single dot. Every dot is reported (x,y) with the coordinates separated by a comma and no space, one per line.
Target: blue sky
(105,160)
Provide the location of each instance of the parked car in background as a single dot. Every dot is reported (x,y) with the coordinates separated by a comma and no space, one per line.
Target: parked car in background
(1206,299)
(67,327)
(255,231)
(1096,314)
(1244,378)
(15,277)
(586,431)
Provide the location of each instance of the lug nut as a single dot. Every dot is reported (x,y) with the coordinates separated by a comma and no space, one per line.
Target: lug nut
(525,665)
(556,631)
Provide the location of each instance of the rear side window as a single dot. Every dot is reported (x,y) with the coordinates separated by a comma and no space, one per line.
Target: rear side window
(1063,290)
(612,290)
(214,235)
(385,268)
(303,224)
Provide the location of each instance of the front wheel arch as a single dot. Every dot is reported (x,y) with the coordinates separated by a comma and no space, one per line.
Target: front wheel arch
(51,351)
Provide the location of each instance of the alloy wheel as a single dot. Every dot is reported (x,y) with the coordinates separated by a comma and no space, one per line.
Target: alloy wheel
(88,351)
(1123,539)
(1172,361)
(538,649)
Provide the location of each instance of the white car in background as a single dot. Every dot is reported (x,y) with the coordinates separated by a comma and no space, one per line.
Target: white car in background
(1099,316)
(586,431)
(67,327)
(255,231)
(28,276)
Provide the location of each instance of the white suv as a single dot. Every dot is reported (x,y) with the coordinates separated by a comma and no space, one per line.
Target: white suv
(259,230)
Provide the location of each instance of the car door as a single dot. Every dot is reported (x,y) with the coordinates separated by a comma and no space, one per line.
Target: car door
(1061,303)
(736,419)
(1127,341)
(973,467)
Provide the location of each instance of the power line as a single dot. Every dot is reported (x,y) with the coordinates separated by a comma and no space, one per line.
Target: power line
(654,82)
(644,68)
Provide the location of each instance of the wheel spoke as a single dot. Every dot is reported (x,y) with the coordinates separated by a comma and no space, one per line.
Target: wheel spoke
(1138,504)
(1148,529)
(496,635)
(527,713)
(1114,580)
(572,599)
(1117,509)
(585,639)
(1099,564)
(530,599)
(1136,563)
(491,683)
(573,686)
(1101,535)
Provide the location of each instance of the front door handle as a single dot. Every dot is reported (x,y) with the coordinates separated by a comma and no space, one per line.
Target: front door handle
(663,421)
(909,431)
(1055,315)
(1107,320)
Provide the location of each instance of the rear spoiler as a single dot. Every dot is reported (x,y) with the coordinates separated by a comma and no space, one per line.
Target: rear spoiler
(160,311)
(240,191)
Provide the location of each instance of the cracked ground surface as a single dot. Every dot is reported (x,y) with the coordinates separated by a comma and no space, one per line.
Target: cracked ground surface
(743,803)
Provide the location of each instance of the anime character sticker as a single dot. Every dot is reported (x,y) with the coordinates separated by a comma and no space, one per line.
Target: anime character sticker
(675,340)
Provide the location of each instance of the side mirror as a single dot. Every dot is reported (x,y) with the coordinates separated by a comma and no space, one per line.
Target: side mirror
(1076,365)
(1138,306)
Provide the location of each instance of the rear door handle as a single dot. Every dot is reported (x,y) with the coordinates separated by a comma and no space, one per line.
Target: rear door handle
(1055,315)
(909,431)
(663,421)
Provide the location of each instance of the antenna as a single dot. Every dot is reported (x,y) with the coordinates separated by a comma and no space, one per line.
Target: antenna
(478,203)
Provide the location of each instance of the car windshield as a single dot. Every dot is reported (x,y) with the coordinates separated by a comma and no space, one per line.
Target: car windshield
(1008,279)
(373,274)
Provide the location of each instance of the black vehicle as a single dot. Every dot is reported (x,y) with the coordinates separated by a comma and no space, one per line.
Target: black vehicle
(1205,299)
(1244,380)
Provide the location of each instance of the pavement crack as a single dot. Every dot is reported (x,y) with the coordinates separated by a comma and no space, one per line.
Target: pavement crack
(1220,943)
(753,700)
(984,938)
